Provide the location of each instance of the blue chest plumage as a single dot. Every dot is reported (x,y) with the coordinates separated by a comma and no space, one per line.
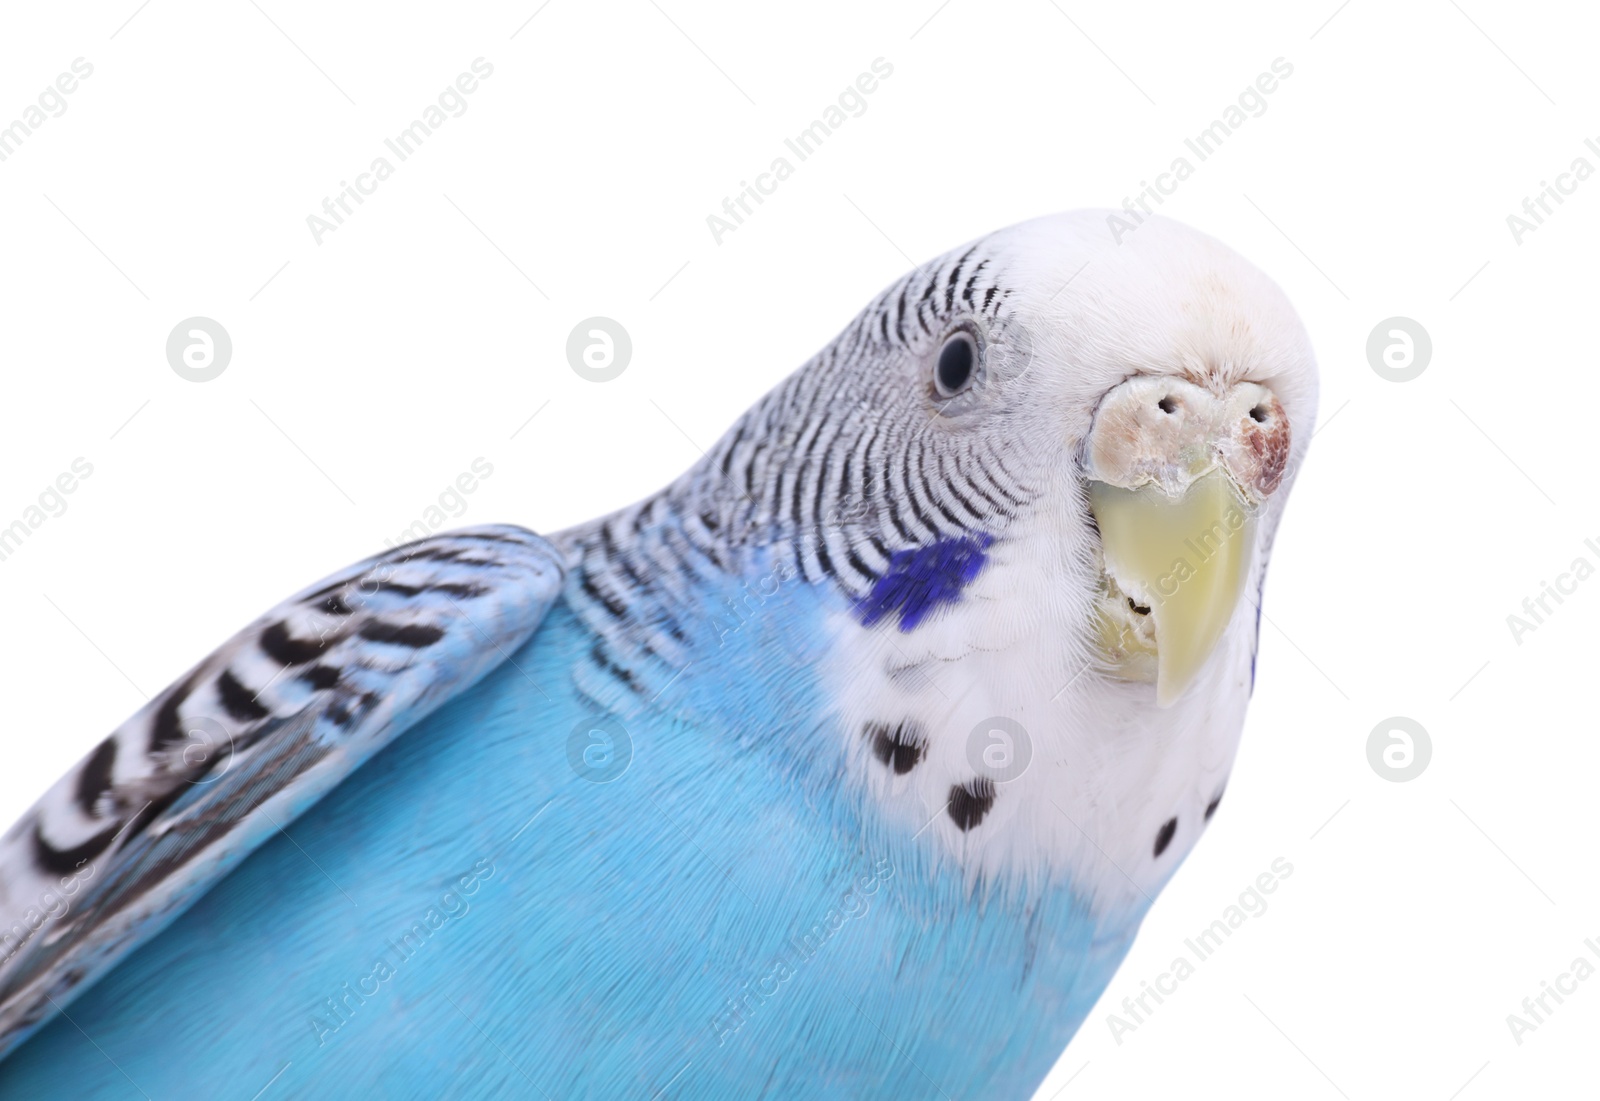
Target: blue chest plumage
(472,915)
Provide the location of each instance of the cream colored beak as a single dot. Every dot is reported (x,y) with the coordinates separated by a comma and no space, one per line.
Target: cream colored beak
(1183,558)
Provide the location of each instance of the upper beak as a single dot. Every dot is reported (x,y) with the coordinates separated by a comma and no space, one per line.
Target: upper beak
(1176,477)
(1185,559)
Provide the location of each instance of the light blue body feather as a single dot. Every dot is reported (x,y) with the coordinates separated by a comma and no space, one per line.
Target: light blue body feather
(714,923)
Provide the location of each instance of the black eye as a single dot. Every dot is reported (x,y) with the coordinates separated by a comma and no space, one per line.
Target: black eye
(956,361)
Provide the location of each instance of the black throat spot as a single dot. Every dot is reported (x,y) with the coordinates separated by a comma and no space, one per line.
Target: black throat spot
(969,802)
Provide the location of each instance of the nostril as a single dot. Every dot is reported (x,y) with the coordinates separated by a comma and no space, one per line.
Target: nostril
(1141,609)
(1259,414)
(1167,405)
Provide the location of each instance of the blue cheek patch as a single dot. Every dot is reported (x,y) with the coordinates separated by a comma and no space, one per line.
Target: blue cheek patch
(923,579)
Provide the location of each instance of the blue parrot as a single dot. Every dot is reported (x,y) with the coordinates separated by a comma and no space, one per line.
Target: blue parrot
(845,766)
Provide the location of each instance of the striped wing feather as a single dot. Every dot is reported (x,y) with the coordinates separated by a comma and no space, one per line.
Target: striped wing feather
(237,748)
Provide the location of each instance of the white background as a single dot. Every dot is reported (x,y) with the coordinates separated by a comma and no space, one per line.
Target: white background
(375,367)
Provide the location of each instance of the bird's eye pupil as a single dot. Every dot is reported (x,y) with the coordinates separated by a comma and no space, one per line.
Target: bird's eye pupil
(955,363)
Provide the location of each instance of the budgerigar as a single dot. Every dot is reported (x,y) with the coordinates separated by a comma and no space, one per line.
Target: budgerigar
(845,766)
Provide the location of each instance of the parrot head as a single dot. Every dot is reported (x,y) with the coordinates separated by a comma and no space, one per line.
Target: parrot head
(1057,463)
(1160,389)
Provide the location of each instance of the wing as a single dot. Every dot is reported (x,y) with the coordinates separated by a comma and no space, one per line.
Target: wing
(254,734)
